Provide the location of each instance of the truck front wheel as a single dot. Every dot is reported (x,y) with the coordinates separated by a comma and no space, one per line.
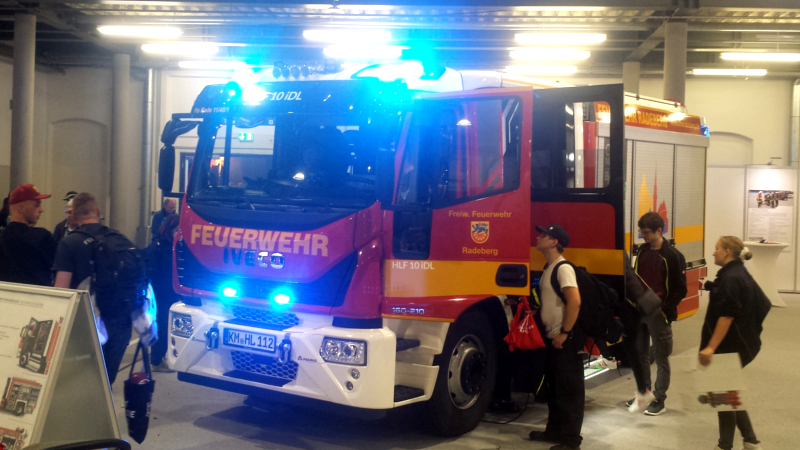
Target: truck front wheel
(19,410)
(467,372)
(23,359)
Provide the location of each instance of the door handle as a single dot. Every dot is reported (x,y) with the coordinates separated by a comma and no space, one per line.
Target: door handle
(512,275)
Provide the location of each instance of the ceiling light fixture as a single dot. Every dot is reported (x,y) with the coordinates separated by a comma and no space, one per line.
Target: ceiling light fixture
(140,31)
(553,54)
(363,51)
(542,70)
(782,57)
(182,48)
(559,38)
(212,65)
(731,72)
(348,36)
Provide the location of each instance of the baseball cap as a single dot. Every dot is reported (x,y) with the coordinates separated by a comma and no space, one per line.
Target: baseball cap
(25,192)
(69,195)
(555,231)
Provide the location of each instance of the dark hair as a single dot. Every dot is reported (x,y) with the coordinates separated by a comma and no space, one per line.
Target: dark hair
(651,221)
(169,225)
(84,205)
(559,248)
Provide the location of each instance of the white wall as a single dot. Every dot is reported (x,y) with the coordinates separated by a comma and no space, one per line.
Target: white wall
(72,140)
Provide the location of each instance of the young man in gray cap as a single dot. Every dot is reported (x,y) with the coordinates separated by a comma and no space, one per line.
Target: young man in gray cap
(67,225)
(564,370)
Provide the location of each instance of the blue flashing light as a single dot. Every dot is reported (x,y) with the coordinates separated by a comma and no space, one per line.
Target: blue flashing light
(231,93)
(245,77)
(282,299)
(253,95)
(229,292)
(704,129)
(407,70)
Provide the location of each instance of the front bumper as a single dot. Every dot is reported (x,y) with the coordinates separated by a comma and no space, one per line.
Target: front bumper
(302,372)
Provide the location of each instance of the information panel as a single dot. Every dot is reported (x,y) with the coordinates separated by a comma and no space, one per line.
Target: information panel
(770,216)
(48,342)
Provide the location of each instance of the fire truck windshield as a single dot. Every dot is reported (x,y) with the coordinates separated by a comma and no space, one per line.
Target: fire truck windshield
(290,160)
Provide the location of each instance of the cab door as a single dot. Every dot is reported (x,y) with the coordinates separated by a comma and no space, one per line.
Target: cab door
(578,179)
(460,224)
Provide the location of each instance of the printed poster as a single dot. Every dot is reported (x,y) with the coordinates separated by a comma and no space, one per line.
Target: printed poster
(30,334)
(769,216)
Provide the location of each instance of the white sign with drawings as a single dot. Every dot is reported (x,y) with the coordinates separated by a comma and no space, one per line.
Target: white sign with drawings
(49,354)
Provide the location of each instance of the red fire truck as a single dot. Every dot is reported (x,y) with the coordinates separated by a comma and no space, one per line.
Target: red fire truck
(13,439)
(351,238)
(20,396)
(38,343)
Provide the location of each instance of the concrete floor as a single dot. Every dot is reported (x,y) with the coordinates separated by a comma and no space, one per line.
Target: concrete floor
(186,416)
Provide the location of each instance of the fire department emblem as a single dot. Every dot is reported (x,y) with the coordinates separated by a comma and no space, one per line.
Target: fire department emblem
(479,232)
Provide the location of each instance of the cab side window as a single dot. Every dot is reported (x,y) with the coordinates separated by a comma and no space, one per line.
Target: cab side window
(465,149)
(567,151)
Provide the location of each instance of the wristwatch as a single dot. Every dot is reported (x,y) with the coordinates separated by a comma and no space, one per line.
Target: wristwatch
(568,333)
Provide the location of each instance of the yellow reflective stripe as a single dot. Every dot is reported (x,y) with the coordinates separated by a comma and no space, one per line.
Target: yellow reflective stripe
(414,278)
(690,233)
(598,261)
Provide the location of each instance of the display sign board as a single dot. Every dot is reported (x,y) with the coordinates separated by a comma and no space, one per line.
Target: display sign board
(718,387)
(770,214)
(52,376)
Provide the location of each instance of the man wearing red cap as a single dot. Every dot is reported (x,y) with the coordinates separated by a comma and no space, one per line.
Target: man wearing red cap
(28,251)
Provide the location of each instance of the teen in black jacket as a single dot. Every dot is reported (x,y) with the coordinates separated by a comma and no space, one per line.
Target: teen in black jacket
(676,278)
(729,327)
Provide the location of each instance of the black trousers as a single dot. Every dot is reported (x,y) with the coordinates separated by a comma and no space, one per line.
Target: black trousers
(565,392)
(119,335)
(728,422)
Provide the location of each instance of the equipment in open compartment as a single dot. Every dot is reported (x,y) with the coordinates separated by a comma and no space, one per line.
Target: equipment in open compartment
(20,396)
(37,343)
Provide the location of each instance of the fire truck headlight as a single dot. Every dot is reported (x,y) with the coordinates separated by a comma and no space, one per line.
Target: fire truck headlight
(182,325)
(229,291)
(344,351)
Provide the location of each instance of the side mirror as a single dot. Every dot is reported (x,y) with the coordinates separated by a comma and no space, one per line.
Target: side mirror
(166,168)
(385,178)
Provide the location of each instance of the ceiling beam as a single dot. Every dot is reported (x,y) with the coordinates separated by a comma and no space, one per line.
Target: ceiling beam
(653,41)
(52,19)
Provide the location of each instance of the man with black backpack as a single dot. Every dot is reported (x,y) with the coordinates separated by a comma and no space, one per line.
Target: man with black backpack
(117,273)
(663,268)
(564,371)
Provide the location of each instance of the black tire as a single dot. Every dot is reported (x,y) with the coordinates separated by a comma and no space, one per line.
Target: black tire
(19,410)
(23,359)
(467,373)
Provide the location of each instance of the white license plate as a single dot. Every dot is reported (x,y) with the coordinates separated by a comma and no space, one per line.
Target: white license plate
(246,339)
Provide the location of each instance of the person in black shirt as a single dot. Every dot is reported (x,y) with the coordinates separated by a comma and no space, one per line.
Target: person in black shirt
(74,263)
(67,225)
(27,251)
(167,209)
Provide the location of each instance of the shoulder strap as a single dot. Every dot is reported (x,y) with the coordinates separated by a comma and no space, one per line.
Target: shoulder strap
(554,280)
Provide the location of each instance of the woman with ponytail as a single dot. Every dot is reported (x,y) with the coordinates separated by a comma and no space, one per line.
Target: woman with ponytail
(729,328)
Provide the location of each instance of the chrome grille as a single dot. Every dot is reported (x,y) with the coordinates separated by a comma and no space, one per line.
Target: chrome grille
(269,318)
(261,365)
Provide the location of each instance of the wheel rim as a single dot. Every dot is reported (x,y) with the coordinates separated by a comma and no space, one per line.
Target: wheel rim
(467,370)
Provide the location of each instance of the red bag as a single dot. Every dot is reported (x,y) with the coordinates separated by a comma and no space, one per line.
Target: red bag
(523,333)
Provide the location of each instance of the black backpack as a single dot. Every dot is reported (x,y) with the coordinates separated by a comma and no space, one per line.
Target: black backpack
(119,279)
(599,305)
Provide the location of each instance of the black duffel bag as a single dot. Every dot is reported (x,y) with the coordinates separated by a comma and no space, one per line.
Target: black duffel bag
(138,395)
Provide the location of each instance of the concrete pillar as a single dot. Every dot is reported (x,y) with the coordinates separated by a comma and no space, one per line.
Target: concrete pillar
(675,38)
(630,76)
(120,126)
(143,231)
(22,97)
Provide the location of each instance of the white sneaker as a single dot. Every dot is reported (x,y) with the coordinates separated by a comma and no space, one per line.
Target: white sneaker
(749,446)
(641,401)
(602,363)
